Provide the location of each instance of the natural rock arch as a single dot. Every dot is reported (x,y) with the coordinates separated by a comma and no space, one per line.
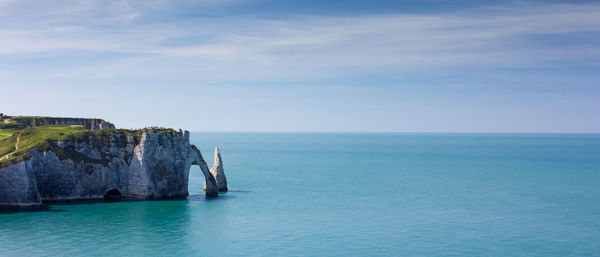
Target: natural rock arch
(210,182)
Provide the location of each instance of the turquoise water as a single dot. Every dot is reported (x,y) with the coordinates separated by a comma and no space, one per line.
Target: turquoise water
(349,195)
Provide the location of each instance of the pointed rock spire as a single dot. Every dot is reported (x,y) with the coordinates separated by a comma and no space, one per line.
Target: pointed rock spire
(218,173)
(217,157)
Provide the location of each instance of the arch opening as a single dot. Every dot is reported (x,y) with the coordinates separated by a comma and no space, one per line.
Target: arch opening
(209,180)
(112,195)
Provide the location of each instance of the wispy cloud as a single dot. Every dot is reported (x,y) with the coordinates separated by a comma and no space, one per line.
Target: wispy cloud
(83,52)
(495,37)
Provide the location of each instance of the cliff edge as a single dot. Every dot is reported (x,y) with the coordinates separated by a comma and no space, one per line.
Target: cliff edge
(56,163)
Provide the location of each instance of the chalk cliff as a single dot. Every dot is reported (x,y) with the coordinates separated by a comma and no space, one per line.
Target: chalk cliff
(141,164)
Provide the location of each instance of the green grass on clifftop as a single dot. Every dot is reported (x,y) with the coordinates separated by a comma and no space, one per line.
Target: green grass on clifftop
(43,138)
(31,137)
(4,133)
(21,122)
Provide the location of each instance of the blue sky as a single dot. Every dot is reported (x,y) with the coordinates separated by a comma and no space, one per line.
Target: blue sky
(319,66)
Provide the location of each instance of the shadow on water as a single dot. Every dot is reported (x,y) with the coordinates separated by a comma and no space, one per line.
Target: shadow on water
(222,196)
(48,205)
(203,198)
(43,208)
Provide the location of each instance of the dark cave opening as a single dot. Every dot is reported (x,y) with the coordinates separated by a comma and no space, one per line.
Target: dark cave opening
(112,195)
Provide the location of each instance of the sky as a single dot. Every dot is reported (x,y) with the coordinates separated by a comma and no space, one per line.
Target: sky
(306,66)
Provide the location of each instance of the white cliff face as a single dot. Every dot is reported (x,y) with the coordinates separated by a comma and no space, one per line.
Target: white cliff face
(18,187)
(155,165)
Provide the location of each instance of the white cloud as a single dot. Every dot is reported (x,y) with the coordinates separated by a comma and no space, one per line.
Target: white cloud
(263,49)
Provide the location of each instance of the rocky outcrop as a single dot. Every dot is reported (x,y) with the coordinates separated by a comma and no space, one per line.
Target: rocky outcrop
(144,164)
(218,173)
(210,184)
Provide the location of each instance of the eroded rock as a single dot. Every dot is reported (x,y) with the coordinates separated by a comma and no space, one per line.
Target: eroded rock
(152,165)
(217,172)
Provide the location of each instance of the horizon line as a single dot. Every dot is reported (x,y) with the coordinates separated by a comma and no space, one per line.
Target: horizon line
(401,132)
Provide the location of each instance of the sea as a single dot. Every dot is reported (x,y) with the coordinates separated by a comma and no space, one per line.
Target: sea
(336,194)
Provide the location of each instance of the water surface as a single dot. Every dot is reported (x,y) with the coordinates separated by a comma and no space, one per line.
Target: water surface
(349,195)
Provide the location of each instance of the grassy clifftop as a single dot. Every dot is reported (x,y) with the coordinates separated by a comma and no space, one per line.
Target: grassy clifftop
(12,123)
(16,140)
